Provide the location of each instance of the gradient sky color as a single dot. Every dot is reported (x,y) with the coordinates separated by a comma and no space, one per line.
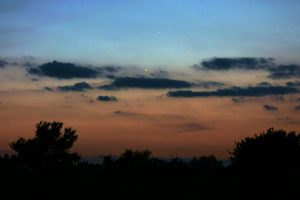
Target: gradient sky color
(143,40)
(172,33)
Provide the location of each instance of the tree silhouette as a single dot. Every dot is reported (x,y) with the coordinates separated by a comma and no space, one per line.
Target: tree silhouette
(49,148)
(135,159)
(206,162)
(267,165)
(269,149)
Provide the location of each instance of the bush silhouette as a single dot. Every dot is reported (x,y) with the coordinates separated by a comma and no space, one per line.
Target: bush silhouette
(49,148)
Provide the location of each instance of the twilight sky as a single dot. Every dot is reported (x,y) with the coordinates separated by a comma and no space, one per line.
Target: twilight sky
(164,33)
(181,77)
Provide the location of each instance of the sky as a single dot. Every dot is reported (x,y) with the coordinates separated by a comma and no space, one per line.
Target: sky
(162,33)
(180,77)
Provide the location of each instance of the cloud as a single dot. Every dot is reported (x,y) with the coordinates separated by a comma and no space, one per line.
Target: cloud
(147,116)
(288,120)
(48,89)
(246,63)
(191,127)
(237,99)
(293,84)
(63,71)
(106,98)
(249,63)
(285,71)
(284,118)
(269,107)
(3,63)
(160,74)
(297,108)
(208,84)
(146,83)
(77,87)
(264,84)
(236,91)
(109,68)
(278,98)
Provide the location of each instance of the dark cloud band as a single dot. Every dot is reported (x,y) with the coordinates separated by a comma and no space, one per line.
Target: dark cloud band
(285,71)
(63,71)
(3,63)
(247,63)
(236,91)
(146,83)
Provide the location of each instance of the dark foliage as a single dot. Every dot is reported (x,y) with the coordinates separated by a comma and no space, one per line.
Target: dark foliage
(265,166)
(271,162)
(49,148)
(271,148)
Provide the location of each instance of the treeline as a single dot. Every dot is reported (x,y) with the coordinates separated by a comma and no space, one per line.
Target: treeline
(266,166)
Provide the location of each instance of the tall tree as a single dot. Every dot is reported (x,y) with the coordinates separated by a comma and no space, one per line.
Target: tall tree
(49,148)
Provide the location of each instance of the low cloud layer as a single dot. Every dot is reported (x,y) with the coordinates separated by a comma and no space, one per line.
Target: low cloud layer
(63,71)
(106,98)
(3,63)
(145,83)
(269,107)
(247,63)
(208,84)
(236,91)
(293,84)
(77,87)
(285,71)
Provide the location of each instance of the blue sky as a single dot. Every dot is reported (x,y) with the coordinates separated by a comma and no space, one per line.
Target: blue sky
(173,33)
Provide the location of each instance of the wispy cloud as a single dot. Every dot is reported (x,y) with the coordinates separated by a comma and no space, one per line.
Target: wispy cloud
(297,108)
(77,87)
(208,84)
(269,107)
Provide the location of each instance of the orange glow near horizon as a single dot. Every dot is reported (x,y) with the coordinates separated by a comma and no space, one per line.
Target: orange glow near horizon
(139,120)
